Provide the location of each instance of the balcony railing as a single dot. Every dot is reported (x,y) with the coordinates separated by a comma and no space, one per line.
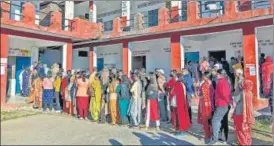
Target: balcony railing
(251,5)
(44,18)
(211,8)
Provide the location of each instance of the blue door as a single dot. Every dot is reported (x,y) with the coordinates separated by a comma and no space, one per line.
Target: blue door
(100,64)
(21,62)
(192,56)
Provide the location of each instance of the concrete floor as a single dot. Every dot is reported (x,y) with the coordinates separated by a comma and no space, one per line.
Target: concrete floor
(61,129)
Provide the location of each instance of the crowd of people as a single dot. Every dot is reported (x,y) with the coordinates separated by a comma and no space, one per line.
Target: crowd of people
(140,98)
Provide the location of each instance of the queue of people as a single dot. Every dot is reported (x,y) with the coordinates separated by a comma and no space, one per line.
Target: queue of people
(140,98)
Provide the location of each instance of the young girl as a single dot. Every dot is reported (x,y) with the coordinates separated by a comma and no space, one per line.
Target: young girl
(69,95)
(48,92)
(152,112)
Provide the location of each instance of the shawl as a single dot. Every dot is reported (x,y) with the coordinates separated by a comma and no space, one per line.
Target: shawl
(248,117)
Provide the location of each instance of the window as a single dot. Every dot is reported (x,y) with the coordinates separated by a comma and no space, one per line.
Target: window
(100,20)
(108,25)
(82,54)
(153,18)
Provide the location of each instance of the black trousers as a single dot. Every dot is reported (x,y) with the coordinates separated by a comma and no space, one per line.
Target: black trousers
(224,125)
(190,114)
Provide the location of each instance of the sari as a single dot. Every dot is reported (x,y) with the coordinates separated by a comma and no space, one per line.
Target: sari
(206,107)
(113,106)
(243,114)
(37,92)
(96,99)
(267,71)
(25,84)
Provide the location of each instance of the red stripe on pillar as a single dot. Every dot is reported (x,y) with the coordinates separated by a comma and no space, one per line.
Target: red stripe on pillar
(4,55)
(125,57)
(91,49)
(175,52)
(69,56)
(249,54)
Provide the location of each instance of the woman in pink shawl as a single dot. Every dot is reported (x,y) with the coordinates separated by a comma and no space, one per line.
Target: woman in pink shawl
(267,71)
(243,114)
(204,65)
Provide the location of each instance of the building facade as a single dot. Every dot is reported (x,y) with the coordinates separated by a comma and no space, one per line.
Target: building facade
(158,34)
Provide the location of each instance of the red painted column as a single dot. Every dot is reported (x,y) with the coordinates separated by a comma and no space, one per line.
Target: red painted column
(249,54)
(28,13)
(4,56)
(125,57)
(175,52)
(91,56)
(6,7)
(69,56)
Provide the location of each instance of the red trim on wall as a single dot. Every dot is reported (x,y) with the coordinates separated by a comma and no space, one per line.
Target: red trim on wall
(91,50)
(125,57)
(3,78)
(69,56)
(229,27)
(33,35)
(175,52)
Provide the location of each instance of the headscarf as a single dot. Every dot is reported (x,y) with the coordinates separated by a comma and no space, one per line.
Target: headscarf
(248,117)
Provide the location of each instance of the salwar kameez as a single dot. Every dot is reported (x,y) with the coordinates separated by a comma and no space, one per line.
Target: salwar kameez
(95,102)
(37,93)
(113,106)
(152,110)
(123,106)
(135,108)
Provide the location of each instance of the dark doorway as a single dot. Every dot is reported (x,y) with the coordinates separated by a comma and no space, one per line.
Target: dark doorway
(138,62)
(217,54)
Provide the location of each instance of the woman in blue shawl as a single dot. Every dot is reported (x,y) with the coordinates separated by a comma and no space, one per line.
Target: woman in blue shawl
(26,82)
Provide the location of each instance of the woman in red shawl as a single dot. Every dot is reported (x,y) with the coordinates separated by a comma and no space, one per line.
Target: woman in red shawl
(180,117)
(267,71)
(243,116)
(206,105)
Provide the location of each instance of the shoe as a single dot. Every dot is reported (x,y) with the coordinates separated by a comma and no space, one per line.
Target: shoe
(180,134)
(81,118)
(207,140)
(157,128)
(212,142)
(58,111)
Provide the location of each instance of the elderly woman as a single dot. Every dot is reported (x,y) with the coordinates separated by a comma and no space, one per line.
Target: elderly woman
(243,116)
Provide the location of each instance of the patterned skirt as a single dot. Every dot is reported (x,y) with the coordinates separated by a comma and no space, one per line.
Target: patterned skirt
(48,96)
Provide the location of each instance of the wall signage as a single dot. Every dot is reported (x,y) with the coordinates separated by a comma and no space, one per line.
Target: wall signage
(166,49)
(140,53)
(19,52)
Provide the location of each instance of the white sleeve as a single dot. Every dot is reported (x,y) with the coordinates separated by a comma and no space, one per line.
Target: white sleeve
(21,80)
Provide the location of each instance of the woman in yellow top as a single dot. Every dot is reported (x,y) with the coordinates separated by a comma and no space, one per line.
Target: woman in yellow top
(57,86)
(96,97)
(113,107)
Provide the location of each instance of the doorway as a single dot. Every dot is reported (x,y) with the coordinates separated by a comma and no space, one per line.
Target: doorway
(100,64)
(217,55)
(138,62)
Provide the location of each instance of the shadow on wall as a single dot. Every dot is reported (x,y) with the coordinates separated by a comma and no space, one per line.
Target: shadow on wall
(154,139)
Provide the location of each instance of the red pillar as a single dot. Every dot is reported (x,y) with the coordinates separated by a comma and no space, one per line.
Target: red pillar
(249,54)
(4,57)
(125,57)
(91,56)
(69,56)
(175,52)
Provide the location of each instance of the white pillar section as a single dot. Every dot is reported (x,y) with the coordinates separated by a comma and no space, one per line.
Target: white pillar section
(94,57)
(129,57)
(64,57)
(182,52)
(34,54)
(92,11)
(69,12)
(126,10)
(179,4)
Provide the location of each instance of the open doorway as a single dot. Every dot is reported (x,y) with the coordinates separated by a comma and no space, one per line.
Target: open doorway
(217,55)
(138,62)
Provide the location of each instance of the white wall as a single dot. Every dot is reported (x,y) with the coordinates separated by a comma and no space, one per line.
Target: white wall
(265,40)
(108,6)
(81,9)
(112,55)
(215,42)
(80,62)
(155,52)
(50,57)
